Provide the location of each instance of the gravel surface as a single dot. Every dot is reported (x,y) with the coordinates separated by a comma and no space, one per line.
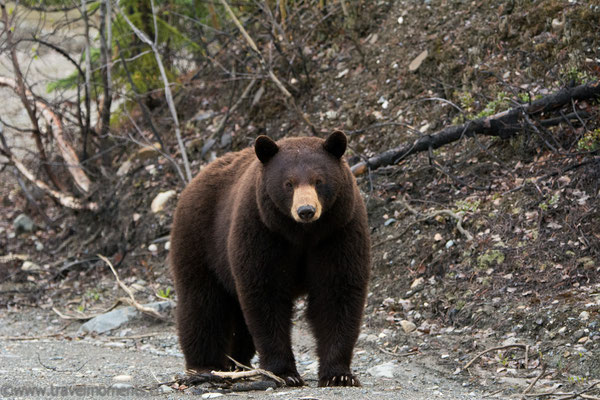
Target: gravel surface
(106,366)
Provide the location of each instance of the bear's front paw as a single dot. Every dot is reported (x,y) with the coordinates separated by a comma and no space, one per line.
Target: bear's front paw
(346,379)
(292,379)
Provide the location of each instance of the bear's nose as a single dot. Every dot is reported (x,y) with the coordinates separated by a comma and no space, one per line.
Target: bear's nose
(306,212)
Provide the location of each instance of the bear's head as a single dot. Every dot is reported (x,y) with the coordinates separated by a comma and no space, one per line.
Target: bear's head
(303,176)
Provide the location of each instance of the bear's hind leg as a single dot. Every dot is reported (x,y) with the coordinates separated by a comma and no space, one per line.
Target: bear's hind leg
(204,322)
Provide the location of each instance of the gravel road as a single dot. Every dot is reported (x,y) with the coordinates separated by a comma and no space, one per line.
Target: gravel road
(106,366)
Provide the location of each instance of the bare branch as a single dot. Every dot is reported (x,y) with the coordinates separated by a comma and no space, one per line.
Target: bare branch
(63,198)
(503,125)
(131,300)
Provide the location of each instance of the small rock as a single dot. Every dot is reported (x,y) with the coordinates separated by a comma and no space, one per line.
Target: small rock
(124,168)
(167,245)
(343,73)
(388,302)
(417,282)
(371,338)
(201,115)
(153,248)
(39,246)
(109,321)
(384,103)
(377,115)
(331,114)
(554,225)
(578,334)
(211,395)
(23,224)
(117,318)
(166,389)
(406,305)
(389,221)
(122,386)
(122,378)
(449,243)
(584,316)
(558,24)
(416,63)
(385,370)
(226,140)
(29,266)
(562,330)
(146,153)
(408,326)
(161,199)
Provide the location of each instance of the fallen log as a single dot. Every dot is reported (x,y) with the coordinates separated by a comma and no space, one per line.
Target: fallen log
(503,125)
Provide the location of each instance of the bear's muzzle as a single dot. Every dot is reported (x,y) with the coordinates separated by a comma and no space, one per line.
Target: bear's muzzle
(306,206)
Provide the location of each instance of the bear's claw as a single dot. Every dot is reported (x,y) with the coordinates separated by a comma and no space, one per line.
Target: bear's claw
(339,380)
(293,380)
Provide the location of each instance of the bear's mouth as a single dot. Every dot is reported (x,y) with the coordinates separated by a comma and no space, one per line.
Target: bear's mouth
(306,206)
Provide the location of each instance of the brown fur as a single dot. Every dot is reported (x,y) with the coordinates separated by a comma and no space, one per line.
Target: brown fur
(240,258)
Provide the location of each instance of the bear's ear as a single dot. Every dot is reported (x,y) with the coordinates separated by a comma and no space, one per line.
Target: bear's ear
(265,148)
(336,143)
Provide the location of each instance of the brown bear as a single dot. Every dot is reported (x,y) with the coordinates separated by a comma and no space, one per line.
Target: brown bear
(254,230)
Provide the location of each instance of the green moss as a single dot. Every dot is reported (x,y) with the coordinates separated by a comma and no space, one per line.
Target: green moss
(590,141)
(489,258)
(467,206)
(500,103)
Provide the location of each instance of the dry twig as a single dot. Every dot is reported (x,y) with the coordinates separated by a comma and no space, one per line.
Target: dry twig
(83,317)
(131,300)
(457,216)
(133,337)
(532,384)
(567,396)
(521,345)
(23,338)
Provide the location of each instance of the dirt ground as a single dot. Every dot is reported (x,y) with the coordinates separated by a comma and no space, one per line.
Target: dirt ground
(527,281)
(136,366)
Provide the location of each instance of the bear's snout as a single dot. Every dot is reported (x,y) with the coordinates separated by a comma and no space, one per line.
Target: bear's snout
(306,212)
(306,206)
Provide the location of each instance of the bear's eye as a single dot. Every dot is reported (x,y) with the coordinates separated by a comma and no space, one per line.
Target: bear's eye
(318,182)
(289,185)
